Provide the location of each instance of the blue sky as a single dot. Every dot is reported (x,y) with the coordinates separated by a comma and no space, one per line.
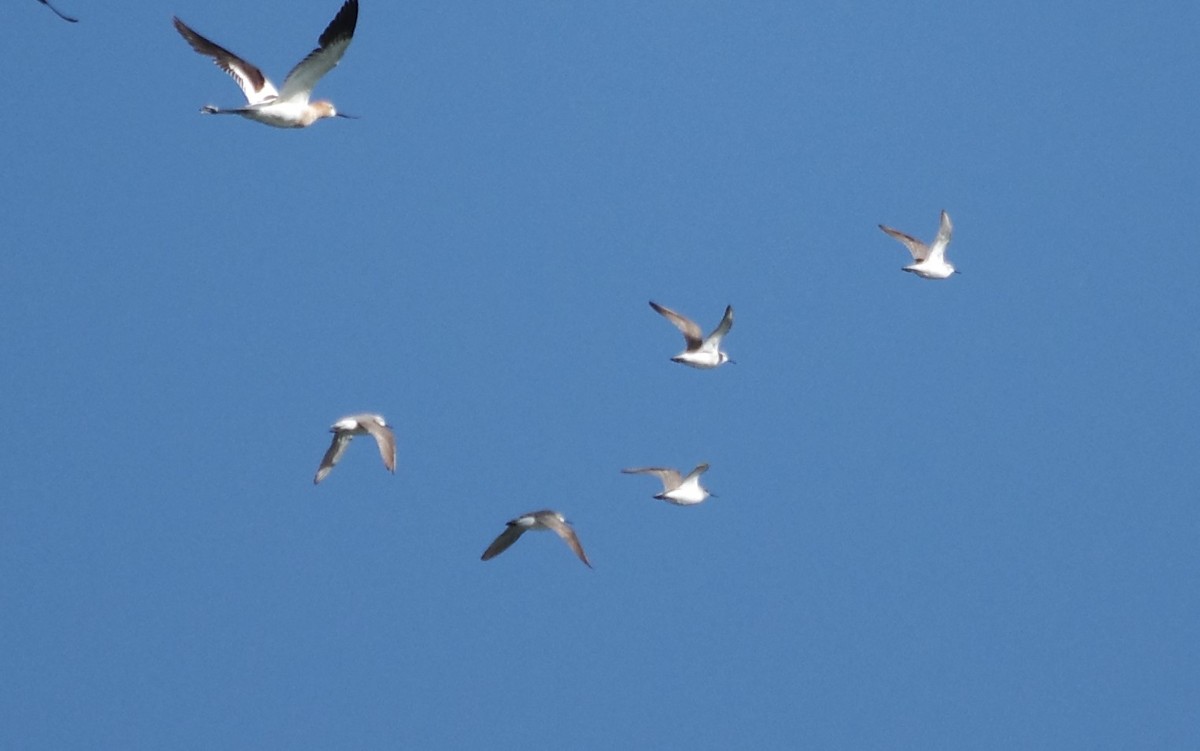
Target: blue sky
(955,514)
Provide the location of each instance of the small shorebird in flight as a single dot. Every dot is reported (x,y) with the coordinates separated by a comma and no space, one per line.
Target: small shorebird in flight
(58,12)
(702,351)
(344,431)
(289,107)
(539,521)
(682,491)
(929,260)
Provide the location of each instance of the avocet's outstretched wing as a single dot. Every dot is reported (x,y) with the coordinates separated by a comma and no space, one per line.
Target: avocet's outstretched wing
(333,43)
(249,78)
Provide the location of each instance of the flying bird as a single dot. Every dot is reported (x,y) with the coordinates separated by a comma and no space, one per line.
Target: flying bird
(702,351)
(58,12)
(929,260)
(344,431)
(289,107)
(539,521)
(682,491)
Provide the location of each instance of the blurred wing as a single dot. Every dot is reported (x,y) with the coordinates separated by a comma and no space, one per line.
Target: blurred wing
(945,229)
(510,535)
(568,535)
(333,43)
(915,246)
(669,477)
(723,327)
(248,78)
(699,470)
(691,332)
(58,12)
(386,440)
(332,456)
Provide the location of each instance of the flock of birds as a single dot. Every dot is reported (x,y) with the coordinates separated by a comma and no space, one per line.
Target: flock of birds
(289,107)
(700,352)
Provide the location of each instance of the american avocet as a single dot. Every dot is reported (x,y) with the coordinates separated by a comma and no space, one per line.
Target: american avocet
(702,351)
(538,521)
(346,428)
(930,259)
(682,491)
(290,107)
(58,12)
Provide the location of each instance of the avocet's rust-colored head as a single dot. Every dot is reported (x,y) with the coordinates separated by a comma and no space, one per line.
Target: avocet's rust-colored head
(321,109)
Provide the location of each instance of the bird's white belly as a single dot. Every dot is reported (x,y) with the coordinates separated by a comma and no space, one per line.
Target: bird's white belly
(685,495)
(931,271)
(279,114)
(701,359)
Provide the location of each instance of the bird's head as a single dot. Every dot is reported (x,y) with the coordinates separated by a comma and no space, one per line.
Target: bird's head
(325,109)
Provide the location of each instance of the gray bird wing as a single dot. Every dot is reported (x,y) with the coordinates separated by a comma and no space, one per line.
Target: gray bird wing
(723,327)
(386,439)
(945,230)
(691,332)
(699,470)
(670,478)
(564,530)
(333,455)
(505,540)
(918,249)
